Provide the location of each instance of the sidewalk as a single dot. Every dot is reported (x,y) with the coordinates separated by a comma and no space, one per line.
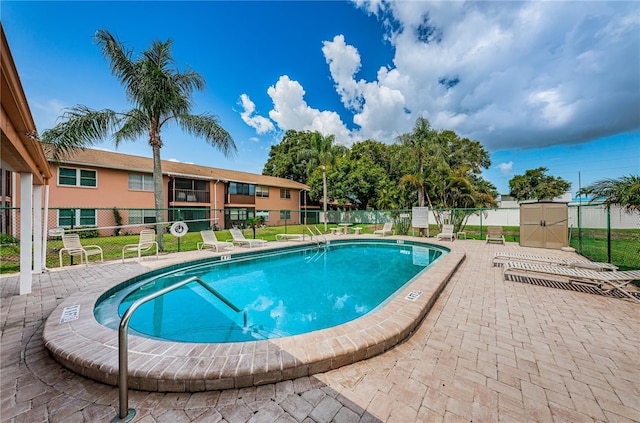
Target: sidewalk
(490,350)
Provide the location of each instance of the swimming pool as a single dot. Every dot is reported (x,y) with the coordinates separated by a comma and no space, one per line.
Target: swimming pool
(286,293)
(87,347)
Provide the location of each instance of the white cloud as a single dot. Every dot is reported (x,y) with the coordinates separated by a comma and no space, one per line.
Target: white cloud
(344,63)
(260,123)
(526,74)
(506,168)
(173,159)
(290,111)
(508,74)
(379,107)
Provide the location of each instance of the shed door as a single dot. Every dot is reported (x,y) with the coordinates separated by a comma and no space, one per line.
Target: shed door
(555,221)
(531,229)
(544,225)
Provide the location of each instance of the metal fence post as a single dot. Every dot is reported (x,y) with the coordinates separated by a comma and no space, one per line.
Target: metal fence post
(608,233)
(579,229)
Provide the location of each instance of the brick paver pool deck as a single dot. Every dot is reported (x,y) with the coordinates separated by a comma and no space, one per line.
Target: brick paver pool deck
(489,350)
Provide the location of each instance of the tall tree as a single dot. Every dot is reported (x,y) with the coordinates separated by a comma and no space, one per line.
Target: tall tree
(283,157)
(624,191)
(320,154)
(535,183)
(420,144)
(158,92)
(447,169)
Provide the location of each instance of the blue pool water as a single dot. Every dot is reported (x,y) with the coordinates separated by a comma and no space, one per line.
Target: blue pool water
(285,293)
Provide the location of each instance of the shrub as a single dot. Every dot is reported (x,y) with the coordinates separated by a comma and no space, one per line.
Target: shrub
(91,233)
(7,239)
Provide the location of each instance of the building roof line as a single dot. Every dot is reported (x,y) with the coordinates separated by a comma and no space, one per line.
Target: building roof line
(119,161)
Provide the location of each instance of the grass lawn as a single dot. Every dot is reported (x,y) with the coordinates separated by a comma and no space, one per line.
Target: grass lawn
(625,243)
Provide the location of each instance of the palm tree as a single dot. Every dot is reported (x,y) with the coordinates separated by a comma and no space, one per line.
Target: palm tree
(424,145)
(624,192)
(159,94)
(321,154)
(254,221)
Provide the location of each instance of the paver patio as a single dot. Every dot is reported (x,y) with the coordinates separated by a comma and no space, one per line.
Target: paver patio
(490,350)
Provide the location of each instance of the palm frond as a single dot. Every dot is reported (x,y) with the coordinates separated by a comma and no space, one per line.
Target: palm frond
(82,128)
(135,124)
(120,61)
(207,127)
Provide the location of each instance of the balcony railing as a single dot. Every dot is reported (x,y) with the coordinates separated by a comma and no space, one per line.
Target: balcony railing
(189,196)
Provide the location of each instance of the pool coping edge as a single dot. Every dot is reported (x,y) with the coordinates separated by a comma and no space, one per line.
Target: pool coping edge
(90,349)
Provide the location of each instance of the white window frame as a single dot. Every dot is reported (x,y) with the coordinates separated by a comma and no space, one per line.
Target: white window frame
(262,190)
(264,214)
(78,177)
(285,193)
(77,217)
(285,214)
(140,215)
(146,182)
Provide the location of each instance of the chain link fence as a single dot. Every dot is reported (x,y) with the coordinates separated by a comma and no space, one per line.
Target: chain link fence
(601,234)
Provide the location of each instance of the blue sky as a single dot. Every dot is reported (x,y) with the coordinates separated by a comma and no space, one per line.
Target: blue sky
(554,84)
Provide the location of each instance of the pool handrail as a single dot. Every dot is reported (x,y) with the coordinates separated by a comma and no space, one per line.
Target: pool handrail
(317,234)
(127,414)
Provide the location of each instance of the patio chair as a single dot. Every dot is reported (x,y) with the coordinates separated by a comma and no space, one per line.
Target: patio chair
(292,237)
(617,279)
(503,257)
(239,239)
(447,232)
(494,234)
(209,240)
(386,229)
(145,243)
(73,247)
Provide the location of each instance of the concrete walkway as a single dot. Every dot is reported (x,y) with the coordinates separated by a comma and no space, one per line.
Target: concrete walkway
(490,350)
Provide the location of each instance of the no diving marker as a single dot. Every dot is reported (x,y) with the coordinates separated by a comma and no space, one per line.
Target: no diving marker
(70,313)
(413,295)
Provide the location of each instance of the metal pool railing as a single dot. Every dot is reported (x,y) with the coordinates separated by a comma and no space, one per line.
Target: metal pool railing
(125,413)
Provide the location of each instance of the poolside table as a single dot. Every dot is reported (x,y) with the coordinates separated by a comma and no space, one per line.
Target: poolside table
(345,227)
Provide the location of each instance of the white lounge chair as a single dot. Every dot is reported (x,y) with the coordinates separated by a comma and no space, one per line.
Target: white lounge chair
(503,257)
(145,243)
(73,247)
(447,232)
(292,237)
(386,229)
(617,279)
(209,240)
(239,239)
(494,234)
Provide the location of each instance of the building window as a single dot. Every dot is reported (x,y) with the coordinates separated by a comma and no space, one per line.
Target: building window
(262,191)
(77,177)
(77,217)
(142,216)
(140,182)
(285,214)
(237,188)
(264,214)
(285,193)
(240,215)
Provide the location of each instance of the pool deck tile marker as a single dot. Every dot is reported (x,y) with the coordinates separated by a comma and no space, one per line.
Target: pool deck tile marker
(180,367)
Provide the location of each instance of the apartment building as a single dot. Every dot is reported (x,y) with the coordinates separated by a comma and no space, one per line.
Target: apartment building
(93,180)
